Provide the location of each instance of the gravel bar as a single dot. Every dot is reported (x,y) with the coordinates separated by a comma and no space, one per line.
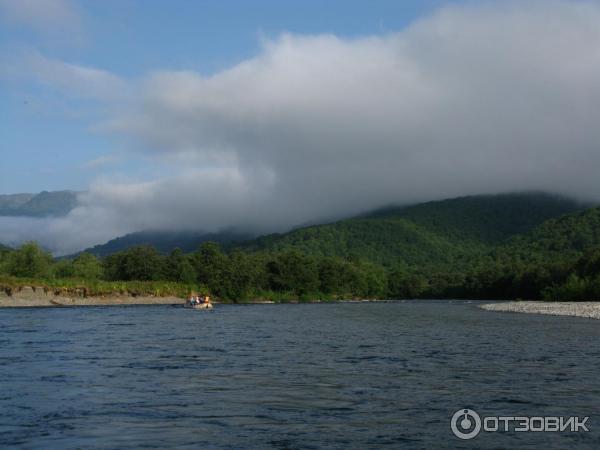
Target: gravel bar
(590,310)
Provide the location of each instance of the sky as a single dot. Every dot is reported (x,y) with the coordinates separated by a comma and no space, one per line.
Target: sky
(48,136)
(264,115)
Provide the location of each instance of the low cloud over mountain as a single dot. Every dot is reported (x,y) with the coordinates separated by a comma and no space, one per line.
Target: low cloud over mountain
(473,99)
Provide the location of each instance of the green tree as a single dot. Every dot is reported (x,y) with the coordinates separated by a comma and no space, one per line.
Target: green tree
(86,266)
(291,271)
(179,268)
(62,269)
(211,266)
(140,263)
(242,276)
(404,284)
(574,288)
(29,261)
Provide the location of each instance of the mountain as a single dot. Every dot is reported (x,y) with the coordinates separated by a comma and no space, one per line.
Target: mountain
(166,241)
(565,237)
(57,203)
(446,233)
(14,201)
(527,245)
(4,248)
(441,232)
(490,219)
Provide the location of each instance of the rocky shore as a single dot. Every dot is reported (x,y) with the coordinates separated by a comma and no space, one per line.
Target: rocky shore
(39,297)
(590,310)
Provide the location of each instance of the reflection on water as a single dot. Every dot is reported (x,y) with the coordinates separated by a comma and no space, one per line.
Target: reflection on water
(290,376)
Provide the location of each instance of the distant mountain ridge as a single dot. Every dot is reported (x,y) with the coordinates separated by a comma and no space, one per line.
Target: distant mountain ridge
(439,232)
(511,246)
(485,218)
(166,241)
(451,232)
(567,236)
(44,204)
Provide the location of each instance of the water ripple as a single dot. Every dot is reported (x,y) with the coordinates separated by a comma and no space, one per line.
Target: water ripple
(339,376)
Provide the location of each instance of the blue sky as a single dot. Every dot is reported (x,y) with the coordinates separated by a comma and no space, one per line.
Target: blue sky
(48,136)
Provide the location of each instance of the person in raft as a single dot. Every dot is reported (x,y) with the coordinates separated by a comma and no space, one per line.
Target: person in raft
(207,299)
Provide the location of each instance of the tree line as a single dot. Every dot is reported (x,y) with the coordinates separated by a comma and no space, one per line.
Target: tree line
(290,274)
(234,276)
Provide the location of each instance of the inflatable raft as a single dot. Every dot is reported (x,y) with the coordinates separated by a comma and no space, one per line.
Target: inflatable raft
(197,305)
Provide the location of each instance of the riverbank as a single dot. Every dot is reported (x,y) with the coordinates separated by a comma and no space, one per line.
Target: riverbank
(590,310)
(40,297)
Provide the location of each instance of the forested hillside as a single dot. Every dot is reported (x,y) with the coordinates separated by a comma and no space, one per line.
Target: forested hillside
(524,247)
(560,259)
(489,219)
(565,237)
(445,232)
(433,234)
(167,241)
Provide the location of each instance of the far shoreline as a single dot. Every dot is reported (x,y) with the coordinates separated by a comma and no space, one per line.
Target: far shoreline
(40,297)
(41,302)
(32,297)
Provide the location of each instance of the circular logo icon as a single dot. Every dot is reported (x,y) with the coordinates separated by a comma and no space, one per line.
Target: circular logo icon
(465,424)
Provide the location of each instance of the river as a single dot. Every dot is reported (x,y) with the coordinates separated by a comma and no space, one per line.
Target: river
(294,376)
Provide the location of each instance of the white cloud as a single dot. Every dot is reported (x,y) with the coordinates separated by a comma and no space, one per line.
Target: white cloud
(100,161)
(473,99)
(73,80)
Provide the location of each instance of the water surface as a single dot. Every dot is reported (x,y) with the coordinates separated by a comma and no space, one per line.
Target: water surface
(341,376)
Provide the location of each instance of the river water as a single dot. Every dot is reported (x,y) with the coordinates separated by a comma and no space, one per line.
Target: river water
(352,375)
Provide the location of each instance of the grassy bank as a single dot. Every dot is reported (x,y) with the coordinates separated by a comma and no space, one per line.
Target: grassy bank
(96,288)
